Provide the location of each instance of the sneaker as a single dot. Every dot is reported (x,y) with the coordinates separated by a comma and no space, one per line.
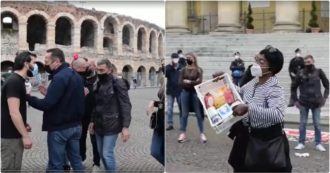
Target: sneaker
(203,138)
(169,128)
(96,168)
(320,147)
(182,138)
(299,146)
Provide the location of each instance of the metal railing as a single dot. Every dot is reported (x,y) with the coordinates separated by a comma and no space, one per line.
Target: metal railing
(263,22)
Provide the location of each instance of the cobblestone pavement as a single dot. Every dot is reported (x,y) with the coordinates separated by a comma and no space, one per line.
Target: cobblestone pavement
(131,156)
(193,156)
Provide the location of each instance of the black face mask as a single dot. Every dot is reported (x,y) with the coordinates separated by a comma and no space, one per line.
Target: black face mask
(102,77)
(189,61)
(309,67)
(48,70)
(85,73)
(29,72)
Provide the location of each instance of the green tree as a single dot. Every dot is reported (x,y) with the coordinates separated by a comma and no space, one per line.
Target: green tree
(249,18)
(313,21)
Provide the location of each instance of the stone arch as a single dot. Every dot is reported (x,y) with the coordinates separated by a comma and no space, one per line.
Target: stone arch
(36,29)
(128,36)
(64,31)
(6,65)
(108,45)
(37,12)
(152,76)
(160,45)
(141,76)
(152,42)
(13,15)
(107,28)
(88,33)
(127,73)
(142,38)
(64,28)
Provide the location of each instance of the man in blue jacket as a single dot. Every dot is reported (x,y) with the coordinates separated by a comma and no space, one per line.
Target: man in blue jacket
(63,107)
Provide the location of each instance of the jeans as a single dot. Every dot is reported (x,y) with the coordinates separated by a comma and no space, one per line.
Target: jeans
(169,111)
(106,145)
(158,146)
(187,99)
(62,142)
(303,122)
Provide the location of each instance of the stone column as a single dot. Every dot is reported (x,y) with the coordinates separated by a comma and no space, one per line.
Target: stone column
(76,38)
(119,42)
(51,35)
(99,41)
(176,16)
(287,15)
(22,36)
(135,40)
(228,17)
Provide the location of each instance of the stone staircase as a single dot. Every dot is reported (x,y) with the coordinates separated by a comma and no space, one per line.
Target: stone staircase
(215,51)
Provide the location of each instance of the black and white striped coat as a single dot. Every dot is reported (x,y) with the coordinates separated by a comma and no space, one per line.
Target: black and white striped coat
(266,102)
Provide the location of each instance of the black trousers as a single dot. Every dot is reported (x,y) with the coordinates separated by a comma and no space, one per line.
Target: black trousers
(96,156)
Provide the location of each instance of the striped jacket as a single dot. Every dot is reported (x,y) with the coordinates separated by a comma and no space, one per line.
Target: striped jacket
(266,102)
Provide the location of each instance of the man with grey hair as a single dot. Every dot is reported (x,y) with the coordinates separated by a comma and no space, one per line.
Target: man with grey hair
(111,114)
(82,67)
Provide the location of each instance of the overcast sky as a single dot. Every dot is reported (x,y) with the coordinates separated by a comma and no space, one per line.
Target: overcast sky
(153,12)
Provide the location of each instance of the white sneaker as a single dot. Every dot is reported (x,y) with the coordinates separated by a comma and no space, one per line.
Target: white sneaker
(182,138)
(299,146)
(96,169)
(203,138)
(320,147)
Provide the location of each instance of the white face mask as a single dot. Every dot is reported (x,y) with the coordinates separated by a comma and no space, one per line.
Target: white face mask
(175,60)
(256,70)
(236,56)
(298,54)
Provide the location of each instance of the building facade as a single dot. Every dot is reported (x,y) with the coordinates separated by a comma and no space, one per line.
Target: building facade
(135,47)
(230,16)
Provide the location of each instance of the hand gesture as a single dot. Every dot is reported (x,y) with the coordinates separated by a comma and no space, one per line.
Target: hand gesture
(27,142)
(43,89)
(91,128)
(28,87)
(240,110)
(150,108)
(86,91)
(125,134)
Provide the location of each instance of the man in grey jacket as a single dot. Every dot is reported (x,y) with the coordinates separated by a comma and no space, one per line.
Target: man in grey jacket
(111,114)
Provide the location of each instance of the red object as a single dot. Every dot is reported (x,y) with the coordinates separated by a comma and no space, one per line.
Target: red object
(229,97)
(75,56)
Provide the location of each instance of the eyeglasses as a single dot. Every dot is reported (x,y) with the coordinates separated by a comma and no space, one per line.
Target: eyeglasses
(271,49)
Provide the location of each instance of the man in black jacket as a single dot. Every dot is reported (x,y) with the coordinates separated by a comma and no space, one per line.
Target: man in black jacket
(309,82)
(237,68)
(81,66)
(173,88)
(111,114)
(296,64)
(63,108)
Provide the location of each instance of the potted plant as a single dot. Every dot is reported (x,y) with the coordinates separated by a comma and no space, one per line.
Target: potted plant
(249,26)
(313,21)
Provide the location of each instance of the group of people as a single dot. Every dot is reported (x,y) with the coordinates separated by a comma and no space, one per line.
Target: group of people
(80,97)
(264,99)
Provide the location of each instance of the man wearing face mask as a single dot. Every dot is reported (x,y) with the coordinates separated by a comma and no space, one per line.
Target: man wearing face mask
(63,107)
(173,88)
(14,129)
(237,68)
(81,66)
(296,64)
(309,82)
(111,114)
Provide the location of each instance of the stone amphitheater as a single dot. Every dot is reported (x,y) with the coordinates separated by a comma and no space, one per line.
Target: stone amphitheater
(135,47)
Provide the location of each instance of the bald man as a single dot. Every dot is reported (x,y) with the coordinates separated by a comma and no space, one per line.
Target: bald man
(82,67)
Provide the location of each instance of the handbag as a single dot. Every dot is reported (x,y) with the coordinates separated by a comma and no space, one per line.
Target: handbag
(268,155)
